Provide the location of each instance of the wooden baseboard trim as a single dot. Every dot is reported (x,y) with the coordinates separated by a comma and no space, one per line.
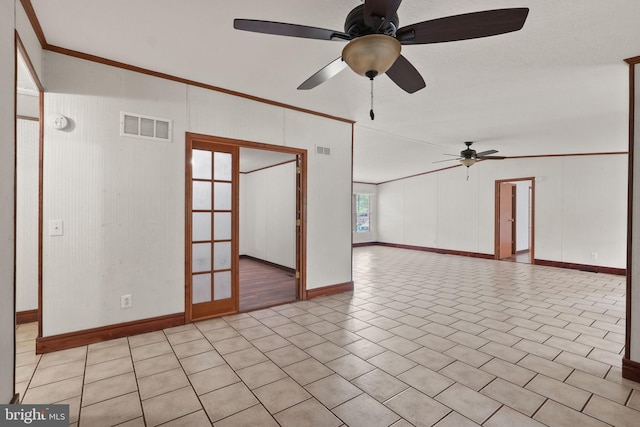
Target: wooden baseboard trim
(104,333)
(582,267)
(630,370)
(363,244)
(330,290)
(559,264)
(435,250)
(15,400)
(269,263)
(27,316)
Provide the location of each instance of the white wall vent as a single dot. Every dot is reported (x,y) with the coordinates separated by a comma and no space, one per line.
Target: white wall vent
(325,151)
(146,127)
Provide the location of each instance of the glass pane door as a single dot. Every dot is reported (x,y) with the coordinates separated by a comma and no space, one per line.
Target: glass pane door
(213,228)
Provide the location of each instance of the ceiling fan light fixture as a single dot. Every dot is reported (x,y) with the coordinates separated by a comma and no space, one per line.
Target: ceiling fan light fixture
(468,161)
(372,54)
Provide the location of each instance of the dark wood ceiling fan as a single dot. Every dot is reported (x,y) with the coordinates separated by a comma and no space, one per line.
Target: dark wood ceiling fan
(375,38)
(469,156)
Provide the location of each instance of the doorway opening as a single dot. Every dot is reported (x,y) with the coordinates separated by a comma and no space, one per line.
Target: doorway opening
(515,220)
(28,226)
(245,226)
(27,211)
(267,266)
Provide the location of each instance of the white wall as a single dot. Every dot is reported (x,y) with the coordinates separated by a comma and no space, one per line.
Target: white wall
(371,235)
(580,208)
(328,196)
(28,105)
(122,199)
(7,195)
(27,215)
(268,214)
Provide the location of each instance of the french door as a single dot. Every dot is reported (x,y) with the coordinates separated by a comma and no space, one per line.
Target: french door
(212,254)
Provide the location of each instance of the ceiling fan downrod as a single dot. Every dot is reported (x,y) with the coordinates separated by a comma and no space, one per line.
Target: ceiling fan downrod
(371,74)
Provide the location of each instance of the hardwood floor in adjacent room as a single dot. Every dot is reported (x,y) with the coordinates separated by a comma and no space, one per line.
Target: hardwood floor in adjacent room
(523,257)
(263,285)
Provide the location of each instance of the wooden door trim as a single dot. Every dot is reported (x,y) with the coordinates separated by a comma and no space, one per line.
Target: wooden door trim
(496,248)
(192,139)
(188,203)
(630,189)
(505,212)
(19,45)
(514,223)
(301,230)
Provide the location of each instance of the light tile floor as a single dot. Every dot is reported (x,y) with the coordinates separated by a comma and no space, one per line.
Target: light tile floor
(425,339)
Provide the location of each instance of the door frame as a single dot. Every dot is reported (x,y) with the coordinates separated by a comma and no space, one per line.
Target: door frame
(301,208)
(496,253)
(36,314)
(514,223)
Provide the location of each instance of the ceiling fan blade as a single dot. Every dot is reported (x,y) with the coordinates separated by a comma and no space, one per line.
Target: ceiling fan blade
(463,27)
(405,75)
(291,30)
(377,12)
(486,153)
(490,157)
(328,71)
(447,160)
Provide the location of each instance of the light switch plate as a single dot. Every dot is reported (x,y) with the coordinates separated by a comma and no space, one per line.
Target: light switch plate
(56,227)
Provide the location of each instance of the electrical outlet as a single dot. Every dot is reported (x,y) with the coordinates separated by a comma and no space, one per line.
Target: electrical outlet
(594,255)
(56,227)
(125,301)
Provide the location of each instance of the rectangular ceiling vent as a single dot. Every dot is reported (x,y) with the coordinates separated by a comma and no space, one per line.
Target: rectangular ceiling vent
(139,126)
(324,151)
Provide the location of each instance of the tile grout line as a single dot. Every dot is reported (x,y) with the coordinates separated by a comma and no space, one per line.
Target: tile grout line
(135,375)
(84,375)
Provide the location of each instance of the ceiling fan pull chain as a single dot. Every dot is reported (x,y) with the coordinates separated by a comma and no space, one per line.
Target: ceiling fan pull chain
(371,111)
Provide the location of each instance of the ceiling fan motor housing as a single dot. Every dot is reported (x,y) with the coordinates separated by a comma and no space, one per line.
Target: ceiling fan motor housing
(355,24)
(468,153)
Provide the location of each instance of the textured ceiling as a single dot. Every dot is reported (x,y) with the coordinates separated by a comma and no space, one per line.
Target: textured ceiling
(560,85)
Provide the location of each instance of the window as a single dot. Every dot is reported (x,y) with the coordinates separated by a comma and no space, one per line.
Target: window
(362,208)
